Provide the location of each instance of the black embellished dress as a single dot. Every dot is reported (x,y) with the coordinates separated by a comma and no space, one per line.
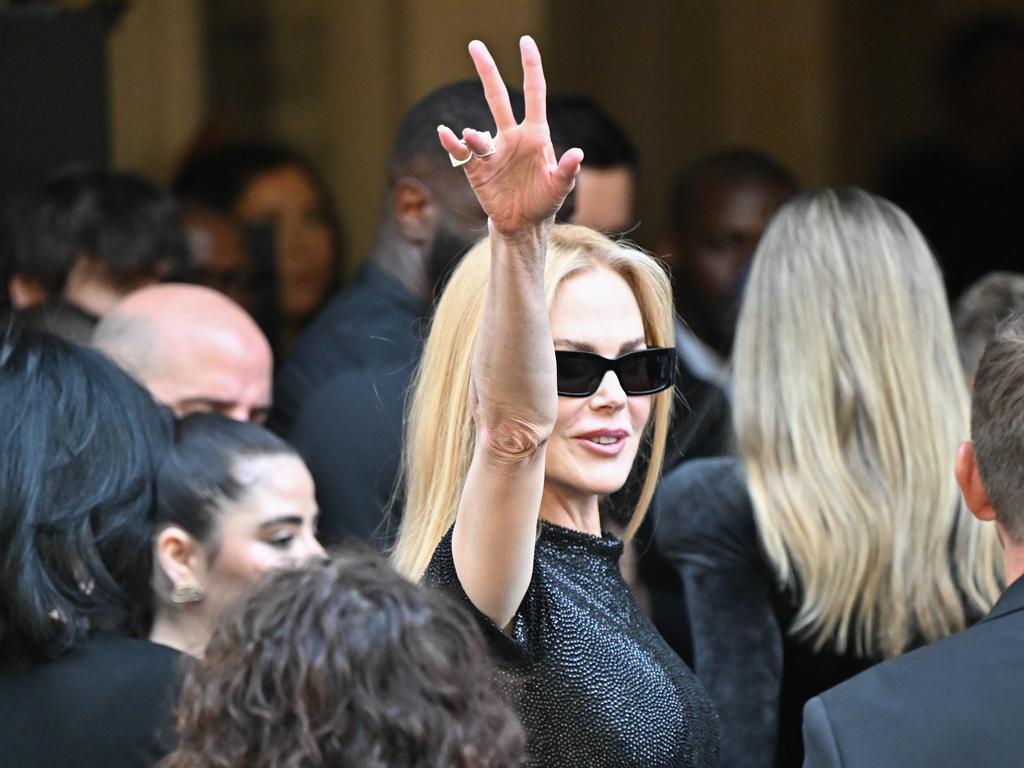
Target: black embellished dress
(591,678)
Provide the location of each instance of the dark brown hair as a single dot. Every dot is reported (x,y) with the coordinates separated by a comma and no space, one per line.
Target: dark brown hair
(344,663)
(997,423)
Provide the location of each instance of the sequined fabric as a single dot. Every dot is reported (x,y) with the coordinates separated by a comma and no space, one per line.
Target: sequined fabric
(594,683)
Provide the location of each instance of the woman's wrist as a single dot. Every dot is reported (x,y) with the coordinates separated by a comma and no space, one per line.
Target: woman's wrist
(521,237)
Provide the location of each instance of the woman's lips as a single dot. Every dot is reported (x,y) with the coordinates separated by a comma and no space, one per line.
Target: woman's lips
(604,442)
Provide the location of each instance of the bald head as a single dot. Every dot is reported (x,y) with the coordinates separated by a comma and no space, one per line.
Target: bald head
(193,348)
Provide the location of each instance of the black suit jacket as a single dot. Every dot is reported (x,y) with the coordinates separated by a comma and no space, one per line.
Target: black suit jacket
(340,400)
(957,703)
(107,703)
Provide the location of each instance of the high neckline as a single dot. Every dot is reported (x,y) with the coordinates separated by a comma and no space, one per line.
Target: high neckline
(606,543)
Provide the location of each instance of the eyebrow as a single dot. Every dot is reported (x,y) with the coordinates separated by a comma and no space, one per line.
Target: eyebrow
(282,520)
(582,346)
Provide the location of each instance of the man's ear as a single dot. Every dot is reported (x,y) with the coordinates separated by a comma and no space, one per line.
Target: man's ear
(969,477)
(415,209)
(177,555)
(25,292)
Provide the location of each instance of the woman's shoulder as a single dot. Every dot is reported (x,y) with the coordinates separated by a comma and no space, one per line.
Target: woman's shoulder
(139,669)
(705,503)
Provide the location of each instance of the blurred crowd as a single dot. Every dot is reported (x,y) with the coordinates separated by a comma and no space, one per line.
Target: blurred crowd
(239,493)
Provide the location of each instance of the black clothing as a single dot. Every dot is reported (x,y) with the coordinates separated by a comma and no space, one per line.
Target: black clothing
(593,682)
(758,676)
(107,703)
(701,421)
(340,400)
(701,427)
(62,319)
(951,704)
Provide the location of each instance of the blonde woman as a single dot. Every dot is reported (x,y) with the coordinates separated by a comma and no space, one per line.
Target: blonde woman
(839,538)
(548,364)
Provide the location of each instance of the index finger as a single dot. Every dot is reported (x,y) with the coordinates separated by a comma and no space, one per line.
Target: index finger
(494,87)
(535,88)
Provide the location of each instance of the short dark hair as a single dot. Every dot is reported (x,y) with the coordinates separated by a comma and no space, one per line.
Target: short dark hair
(726,166)
(980,309)
(416,151)
(577,121)
(131,227)
(344,663)
(81,444)
(199,471)
(997,423)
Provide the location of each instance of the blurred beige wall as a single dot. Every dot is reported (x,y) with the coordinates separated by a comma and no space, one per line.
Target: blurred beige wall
(827,86)
(157,84)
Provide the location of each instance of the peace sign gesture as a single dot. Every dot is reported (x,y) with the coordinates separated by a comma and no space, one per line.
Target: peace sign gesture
(515,175)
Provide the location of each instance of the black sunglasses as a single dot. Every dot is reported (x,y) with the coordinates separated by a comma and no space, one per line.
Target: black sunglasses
(640,373)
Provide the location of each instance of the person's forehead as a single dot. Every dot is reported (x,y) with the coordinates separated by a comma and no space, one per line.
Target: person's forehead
(597,301)
(218,364)
(741,201)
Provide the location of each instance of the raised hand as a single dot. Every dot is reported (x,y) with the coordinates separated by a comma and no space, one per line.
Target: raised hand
(515,175)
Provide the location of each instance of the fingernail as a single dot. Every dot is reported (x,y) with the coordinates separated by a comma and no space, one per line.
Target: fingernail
(440,127)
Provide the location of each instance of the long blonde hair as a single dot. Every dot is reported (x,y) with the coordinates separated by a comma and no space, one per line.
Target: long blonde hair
(440,433)
(849,406)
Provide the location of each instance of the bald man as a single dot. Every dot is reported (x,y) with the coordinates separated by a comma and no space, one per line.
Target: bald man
(193,348)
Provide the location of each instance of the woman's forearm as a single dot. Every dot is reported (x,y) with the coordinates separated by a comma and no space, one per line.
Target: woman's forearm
(514,363)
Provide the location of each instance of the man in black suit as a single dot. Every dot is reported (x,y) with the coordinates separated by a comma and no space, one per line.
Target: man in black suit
(959,701)
(340,397)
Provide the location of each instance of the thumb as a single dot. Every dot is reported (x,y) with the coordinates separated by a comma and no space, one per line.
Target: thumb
(569,165)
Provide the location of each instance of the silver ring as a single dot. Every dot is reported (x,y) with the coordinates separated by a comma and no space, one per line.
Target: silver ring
(456,163)
(492,150)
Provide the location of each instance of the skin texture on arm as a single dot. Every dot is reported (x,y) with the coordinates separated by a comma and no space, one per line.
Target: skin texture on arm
(520,187)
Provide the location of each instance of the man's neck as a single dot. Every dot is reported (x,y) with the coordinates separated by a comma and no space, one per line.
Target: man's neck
(1013,558)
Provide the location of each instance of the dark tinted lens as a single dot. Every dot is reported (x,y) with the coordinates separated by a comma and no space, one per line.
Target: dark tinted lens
(645,372)
(578,373)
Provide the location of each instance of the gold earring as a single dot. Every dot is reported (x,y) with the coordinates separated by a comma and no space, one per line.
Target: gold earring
(187,593)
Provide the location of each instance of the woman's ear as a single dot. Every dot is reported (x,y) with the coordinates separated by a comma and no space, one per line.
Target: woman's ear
(178,555)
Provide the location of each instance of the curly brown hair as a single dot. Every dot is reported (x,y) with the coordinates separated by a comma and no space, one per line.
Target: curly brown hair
(344,663)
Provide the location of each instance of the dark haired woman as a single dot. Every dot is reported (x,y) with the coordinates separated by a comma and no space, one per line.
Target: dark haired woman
(234,502)
(79,449)
(344,664)
(271,184)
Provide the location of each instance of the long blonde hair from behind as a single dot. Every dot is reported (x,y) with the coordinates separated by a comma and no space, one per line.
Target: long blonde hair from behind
(849,407)
(440,435)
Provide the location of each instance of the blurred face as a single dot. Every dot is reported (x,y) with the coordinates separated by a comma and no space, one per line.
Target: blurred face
(725,232)
(461,224)
(604,199)
(272,526)
(596,438)
(287,199)
(220,258)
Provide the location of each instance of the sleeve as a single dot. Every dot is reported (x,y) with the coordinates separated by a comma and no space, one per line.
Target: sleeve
(510,648)
(820,747)
(705,528)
